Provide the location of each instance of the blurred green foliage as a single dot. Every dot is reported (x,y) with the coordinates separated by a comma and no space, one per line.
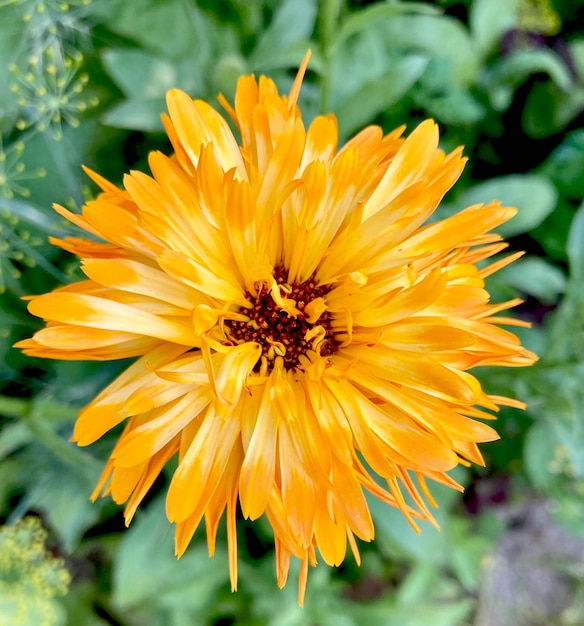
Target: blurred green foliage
(84,82)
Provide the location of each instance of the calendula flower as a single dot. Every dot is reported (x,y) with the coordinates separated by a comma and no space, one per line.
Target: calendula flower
(303,336)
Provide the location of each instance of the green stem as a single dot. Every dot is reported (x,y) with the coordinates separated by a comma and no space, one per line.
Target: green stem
(14,407)
(39,417)
(328,18)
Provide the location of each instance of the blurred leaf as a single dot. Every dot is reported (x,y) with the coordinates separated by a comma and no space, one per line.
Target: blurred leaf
(59,477)
(78,605)
(53,488)
(456,107)
(549,110)
(414,588)
(137,115)
(565,346)
(513,70)
(323,603)
(440,37)
(169,28)
(553,448)
(378,95)
(12,437)
(575,247)
(538,454)
(396,537)
(26,227)
(63,496)
(490,20)
(568,510)
(469,549)
(292,21)
(10,36)
(565,165)
(386,612)
(533,195)
(226,72)
(139,74)
(290,57)
(144,79)
(364,59)
(535,276)
(576,47)
(146,573)
(370,16)
(552,233)
(12,478)
(32,214)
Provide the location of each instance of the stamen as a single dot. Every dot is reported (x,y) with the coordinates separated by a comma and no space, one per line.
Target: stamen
(283,320)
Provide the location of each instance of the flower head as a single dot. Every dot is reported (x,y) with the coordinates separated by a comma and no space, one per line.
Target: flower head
(303,335)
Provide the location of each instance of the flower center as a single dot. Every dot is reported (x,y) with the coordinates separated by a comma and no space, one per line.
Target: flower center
(280,332)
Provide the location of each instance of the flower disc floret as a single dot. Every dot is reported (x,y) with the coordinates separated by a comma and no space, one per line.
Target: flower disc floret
(289,333)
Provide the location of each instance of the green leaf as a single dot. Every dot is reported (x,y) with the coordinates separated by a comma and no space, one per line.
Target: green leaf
(386,612)
(513,70)
(52,487)
(490,20)
(78,605)
(455,108)
(575,247)
(34,215)
(137,115)
(440,37)
(144,79)
(549,110)
(292,21)
(290,57)
(533,195)
(415,587)
(13,436)
(140,74)
(169,28)
(63,495)
(576,47)
(13,476)
(11,27)
(377,96)
(279,607)
(538,454)
(396,537)
(535,276)
(368,17)
(552,233)
(146,573)
(565,165)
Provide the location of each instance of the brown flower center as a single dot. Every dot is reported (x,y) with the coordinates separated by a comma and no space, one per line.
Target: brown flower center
(281,333)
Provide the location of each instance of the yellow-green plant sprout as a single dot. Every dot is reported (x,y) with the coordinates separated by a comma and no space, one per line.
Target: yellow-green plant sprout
(31,578)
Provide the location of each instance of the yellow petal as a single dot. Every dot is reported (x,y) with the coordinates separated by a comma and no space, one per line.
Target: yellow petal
(259,465)
(201,467)
(141,443)
(90,311)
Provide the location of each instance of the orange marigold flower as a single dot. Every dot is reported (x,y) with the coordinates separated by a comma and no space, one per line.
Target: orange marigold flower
(302,333)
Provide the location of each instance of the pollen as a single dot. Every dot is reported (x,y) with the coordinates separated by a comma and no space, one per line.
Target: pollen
(282,333)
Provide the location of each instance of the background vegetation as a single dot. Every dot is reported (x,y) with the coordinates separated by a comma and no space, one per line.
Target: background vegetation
(84,82)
